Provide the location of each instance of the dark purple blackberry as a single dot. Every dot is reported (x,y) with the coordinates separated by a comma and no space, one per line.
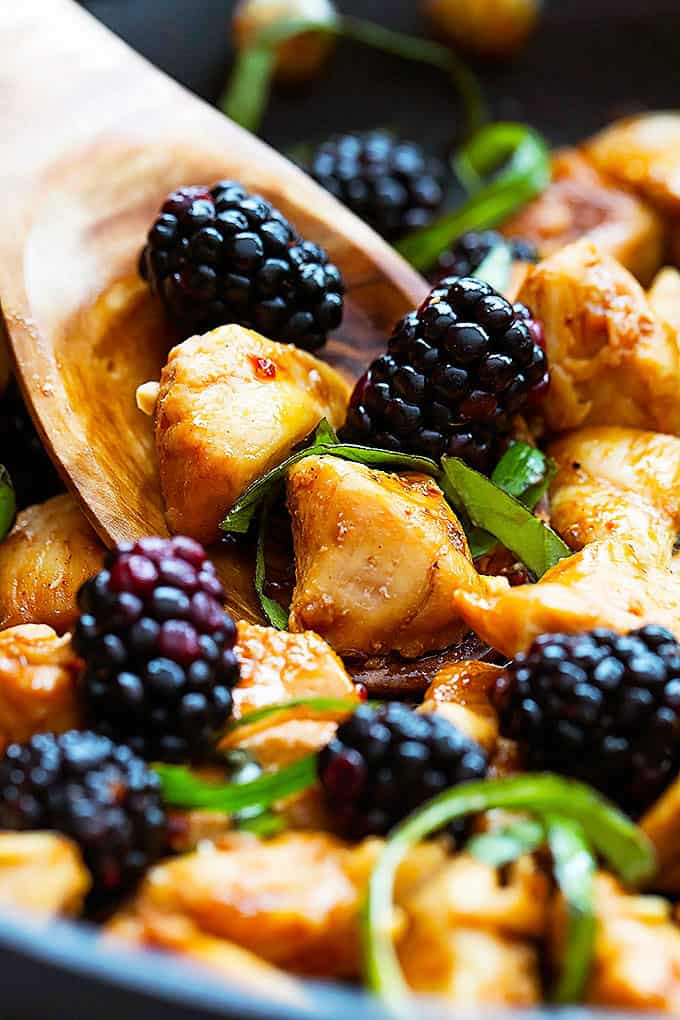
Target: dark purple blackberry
(158,649)
(599,706)
(34,476)
(98,793)
(470,250)
(390,183)
(455,373)
(383,763)
(223,255)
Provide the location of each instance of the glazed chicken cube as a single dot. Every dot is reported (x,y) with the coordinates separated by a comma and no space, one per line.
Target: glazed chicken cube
(661,824)
(612,361)
(377,558)
(664,298)
(459,691)
(618,483)
(579,203)
(39,683)
(49,553)
(42,872)
(231,405)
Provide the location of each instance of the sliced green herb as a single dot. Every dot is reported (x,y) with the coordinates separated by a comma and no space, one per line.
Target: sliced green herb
(183,788)
(8,502)
(329,706)
(574,868)
(507,844)
(627,850)
(488,507)
(524,161)
(264,824)
(495,268)
(273,610)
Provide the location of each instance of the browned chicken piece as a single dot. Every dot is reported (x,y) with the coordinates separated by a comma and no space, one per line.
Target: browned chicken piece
(460,692)
(580,203)
(231,405)
(618,483)
(642,153)
(661,824)
(377,557)
(39,675)
(604,585)
(42,872)
(612,361)
(664,298)
(487,28)
(49,553)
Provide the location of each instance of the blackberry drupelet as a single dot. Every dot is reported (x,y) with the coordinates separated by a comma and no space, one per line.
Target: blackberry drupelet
(383,763)
(223,255)
(455,373)
(470,250)
(158,649)
(34,476)
(390,183)
(599,706)
(98,793)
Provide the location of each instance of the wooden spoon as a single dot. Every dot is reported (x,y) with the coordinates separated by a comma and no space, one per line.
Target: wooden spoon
(93,139)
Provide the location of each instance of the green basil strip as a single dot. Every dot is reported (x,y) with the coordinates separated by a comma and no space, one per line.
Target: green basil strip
(508,844)
(525,174)
(273,610)
(247,92)
(182,788)
(264,824)
(495,268)
(574,868)
(8,502)
(614,836)
(489,507)
(332,706)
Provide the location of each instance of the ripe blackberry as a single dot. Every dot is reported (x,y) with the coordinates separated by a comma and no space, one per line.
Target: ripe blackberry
(455,373)
(390,183)
(383,763)
(34,476)
(470,250)
(218,255)
(158,649)
(98,793)
(599,706)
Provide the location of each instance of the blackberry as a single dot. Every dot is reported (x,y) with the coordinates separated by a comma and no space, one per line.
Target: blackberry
(218,255)
(158,649)
(383,763)
(470,250)
(599,706)
(455,373)
(34,476)
(390,183)
(98,793)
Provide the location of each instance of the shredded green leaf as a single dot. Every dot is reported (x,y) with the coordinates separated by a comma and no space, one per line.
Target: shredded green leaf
(627,850)
(495,268)
(508,844)
(182,788)
(525,161)
(264,824)
(273,610)
(8,503)
(488,507)
(574,867)
(330,706)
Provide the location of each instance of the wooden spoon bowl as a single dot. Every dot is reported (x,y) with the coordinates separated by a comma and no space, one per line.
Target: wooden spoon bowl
(95,139)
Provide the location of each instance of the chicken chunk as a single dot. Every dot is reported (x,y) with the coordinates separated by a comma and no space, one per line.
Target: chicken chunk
(49,553)
(642,153)
(618,483)
(612,361)
(604,585)
(460,692)
(664,299)
(377,558)
(39,675)
(661,823)
(42,872)
(231,405)
(582,203)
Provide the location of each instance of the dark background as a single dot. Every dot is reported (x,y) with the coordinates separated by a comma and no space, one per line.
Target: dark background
(589,61)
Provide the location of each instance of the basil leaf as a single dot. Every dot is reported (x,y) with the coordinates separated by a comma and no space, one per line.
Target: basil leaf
(574,868)
(489,507)
(520,469)
(273,610)
(509,843)
(183,788)
(8,502)
(264,824)
(495,268)
(525,161)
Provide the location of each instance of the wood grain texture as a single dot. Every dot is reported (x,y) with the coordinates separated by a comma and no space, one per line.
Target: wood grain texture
(93,139)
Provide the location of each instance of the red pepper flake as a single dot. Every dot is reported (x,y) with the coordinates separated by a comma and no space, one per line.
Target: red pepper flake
(264,367)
